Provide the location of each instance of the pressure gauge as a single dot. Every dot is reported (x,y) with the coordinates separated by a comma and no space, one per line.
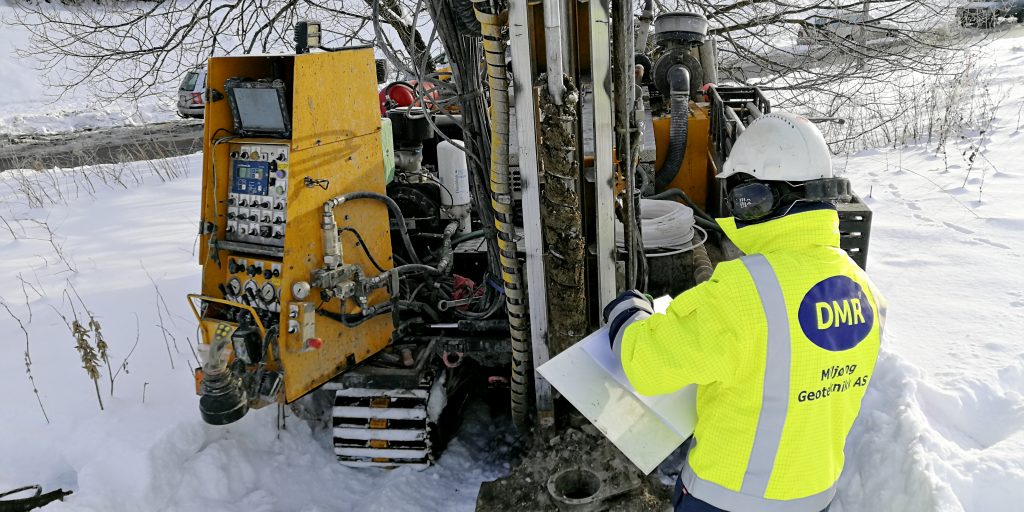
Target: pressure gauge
(250,289)
(300,290)
(267,292)
(234,286)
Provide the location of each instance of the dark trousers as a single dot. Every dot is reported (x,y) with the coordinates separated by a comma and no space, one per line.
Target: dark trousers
(686,502)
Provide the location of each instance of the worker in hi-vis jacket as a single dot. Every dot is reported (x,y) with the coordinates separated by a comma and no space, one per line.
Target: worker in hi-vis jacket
(781,343)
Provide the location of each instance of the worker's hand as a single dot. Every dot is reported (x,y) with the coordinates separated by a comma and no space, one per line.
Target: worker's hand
(628,299)
(619,312)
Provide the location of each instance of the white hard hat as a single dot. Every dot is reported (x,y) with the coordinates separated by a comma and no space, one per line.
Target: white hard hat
(780,147)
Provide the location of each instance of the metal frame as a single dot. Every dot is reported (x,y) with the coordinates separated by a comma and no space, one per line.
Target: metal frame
(526,136)
(600,65)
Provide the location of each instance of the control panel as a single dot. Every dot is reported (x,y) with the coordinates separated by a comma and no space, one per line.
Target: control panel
(254,282)
(258,195)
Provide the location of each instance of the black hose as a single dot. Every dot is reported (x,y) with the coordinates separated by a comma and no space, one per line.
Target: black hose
(679,194)
(443,265)
(366,250)
(679,82)
(395,210)
(708,225)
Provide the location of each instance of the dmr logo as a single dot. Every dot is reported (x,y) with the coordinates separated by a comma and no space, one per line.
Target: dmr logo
(835,314)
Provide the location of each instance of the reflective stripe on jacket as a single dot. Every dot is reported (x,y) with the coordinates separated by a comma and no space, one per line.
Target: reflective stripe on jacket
(781,344)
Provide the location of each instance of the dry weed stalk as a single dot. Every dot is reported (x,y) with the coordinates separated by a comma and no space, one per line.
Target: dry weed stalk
(28,359)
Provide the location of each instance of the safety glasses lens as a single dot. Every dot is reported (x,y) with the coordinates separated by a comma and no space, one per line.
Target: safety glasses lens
(751,201)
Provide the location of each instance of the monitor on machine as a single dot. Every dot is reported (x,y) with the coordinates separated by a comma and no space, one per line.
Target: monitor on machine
(259,107)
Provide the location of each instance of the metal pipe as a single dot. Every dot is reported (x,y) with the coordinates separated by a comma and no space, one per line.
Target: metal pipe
(526,135)
(555,48)
(709,60)
(625,87)
(646,20)
(753,111)
(734,117)
(604,172)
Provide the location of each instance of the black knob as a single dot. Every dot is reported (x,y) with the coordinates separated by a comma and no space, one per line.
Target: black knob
(231,201)
(265,204)
(234,154)
(243,202)
(232,266)
(251,270)
(252,218)
(254,231)
(267,274)
(231,215)
(266,218)
(230,229)
(279,206)
(278,235)
(280,157)
(278,220)
(244,155)
(277,272)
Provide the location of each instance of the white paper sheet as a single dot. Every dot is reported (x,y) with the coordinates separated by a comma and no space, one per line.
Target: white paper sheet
(647,429)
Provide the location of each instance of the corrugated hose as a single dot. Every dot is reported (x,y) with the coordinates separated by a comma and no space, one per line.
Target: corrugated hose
(491,26)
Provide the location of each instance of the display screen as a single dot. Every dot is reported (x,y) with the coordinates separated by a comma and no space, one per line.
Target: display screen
(250,177)
(259,109)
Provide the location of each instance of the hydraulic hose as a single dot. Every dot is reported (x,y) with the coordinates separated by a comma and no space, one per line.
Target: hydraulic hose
(679,194)
(443,265)
(330,205)
(491,26)
(679,82)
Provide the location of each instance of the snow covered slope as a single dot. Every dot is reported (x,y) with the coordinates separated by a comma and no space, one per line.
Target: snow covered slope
(941,428)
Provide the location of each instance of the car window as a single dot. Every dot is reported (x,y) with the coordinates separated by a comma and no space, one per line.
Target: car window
(189,83)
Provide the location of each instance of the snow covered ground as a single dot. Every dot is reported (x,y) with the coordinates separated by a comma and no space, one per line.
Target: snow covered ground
(943,421)
(27,107)
(942,428)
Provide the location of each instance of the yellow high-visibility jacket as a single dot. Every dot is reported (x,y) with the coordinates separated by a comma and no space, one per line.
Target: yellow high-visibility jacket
(781,344)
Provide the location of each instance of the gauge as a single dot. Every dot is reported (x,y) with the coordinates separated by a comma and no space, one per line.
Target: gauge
(234,286)
(267,293)
(250,289)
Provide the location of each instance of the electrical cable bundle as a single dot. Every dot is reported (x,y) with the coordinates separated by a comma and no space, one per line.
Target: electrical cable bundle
(668,228)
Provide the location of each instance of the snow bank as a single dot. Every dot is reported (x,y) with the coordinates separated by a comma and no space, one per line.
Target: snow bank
(921,447)
(28,107)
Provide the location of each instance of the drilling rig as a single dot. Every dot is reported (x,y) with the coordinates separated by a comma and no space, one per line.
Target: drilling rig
(380,249)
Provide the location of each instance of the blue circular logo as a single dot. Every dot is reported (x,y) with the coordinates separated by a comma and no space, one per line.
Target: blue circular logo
(835,314)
